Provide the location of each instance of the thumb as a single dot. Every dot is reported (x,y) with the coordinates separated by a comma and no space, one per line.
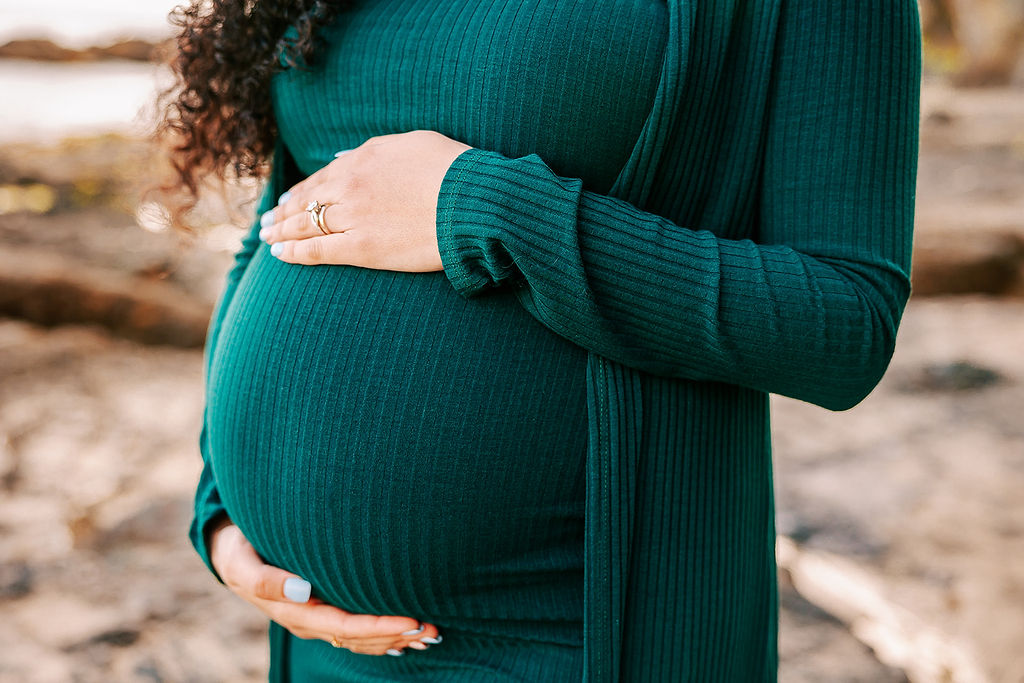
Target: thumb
(251,575)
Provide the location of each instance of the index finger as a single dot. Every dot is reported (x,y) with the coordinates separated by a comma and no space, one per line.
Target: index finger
(292,200)
(370,625)
(334,622)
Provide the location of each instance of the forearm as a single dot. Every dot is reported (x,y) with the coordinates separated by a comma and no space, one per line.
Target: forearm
(636,288)
(808,306)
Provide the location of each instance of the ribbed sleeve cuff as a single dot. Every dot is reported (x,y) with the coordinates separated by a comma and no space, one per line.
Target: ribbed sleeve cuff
(486,203)
(207,508)
(454,241)
(206,517)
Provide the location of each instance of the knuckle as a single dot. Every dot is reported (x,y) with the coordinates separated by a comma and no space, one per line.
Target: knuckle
(352,183)
(298,223)
(265,586)
(314,251)
(361,245)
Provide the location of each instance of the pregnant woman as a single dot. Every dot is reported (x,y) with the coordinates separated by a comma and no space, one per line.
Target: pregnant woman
(487,391)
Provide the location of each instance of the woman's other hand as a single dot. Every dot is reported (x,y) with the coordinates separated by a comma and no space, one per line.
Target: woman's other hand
(381,200)
(284,598)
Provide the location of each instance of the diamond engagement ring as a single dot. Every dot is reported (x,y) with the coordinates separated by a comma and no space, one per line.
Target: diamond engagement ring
(316,212)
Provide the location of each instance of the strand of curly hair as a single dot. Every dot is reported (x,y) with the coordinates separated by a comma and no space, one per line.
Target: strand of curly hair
(216,118)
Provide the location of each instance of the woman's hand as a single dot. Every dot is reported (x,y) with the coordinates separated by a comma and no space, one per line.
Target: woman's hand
(381,202)
(284,597)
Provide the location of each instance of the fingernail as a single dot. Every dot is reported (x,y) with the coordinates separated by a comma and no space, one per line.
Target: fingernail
(285,196)
(415,630)
(417,645)
(338,154)
(395,653)
(267,219)
(297,590)
(275,250)
(264,233)
(432,641)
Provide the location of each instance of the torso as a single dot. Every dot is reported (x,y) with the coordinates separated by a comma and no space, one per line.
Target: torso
(405,449)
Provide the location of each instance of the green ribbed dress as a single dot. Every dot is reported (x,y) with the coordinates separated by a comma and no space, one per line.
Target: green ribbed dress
(557,450)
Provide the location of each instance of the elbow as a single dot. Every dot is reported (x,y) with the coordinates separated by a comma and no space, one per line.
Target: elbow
(849,383)
(852,390)
(870,349)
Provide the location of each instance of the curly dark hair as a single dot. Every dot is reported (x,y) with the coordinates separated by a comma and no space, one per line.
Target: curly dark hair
(217,118)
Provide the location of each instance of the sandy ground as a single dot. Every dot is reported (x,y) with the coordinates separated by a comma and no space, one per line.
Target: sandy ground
(919,487)
(920,483)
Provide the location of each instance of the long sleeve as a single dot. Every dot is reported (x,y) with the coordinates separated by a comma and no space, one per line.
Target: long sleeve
(808,306)
(208,509)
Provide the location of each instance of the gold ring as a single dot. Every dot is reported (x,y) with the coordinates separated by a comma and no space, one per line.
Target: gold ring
(316,212)
(335,643)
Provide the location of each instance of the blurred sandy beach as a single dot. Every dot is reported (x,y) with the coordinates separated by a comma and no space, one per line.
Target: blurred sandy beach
(902,520)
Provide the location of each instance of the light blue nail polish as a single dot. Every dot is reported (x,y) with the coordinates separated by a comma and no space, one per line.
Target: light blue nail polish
(395,653)
(432,641)
(297,590)
(413,632)
(267,219)
(284,198)
(276,249)
(338,154)
(264,233)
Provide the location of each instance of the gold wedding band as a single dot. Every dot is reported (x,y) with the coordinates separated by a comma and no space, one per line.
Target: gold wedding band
(335,643)
(316,212)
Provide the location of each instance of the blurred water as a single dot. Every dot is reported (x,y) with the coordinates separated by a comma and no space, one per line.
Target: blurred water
(80,24)
(46,101)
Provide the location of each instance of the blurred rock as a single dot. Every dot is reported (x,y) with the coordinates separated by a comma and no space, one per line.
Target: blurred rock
(956,376)
(42,49)
(816,647)
(969,217)
(136,50)
(39,49)
(149,671)
(67,621)
(818,525)
(118,637)
(978,42)
(85,170)
(157,521)
(8,464)
(50,290)
(966,263)
(15,580)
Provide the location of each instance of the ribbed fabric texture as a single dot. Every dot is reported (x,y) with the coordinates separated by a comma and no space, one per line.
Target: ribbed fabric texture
(715,208)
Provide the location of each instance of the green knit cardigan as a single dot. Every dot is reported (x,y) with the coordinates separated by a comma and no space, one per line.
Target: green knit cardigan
(757,241)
